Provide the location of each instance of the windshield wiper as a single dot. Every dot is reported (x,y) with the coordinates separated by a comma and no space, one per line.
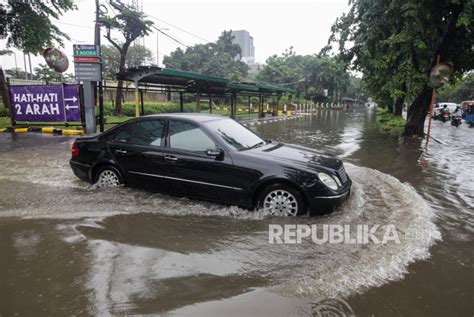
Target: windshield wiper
(259,144)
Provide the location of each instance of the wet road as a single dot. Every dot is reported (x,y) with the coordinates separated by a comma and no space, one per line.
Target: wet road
(69,249)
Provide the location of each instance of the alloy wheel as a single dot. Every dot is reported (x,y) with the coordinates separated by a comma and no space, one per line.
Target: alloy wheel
(280,202)
(108,178)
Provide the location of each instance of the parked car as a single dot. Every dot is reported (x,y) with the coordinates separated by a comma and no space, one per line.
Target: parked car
(212,158)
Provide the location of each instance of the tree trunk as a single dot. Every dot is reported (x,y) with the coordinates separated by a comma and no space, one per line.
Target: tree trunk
(420,106)
(118,99)
(417,113)
(398,107)
(118,96)
(390,107)
(4,90)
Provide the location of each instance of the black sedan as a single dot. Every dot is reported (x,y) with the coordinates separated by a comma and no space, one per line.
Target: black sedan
(212,158)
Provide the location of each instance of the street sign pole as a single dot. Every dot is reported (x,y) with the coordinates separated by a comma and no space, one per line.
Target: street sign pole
(89,107)
(97,43)
(88,70)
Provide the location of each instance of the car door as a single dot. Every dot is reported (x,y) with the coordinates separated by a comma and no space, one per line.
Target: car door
(190,171)
(138,150)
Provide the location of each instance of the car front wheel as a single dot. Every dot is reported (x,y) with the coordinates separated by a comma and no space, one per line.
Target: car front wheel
(281,200)
(108,176)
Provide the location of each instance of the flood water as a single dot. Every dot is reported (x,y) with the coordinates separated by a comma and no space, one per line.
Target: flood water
(69,249)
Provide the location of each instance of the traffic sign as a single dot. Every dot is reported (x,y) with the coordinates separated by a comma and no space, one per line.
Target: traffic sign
(87,50)
(87,71)
(38,103)
(86,60)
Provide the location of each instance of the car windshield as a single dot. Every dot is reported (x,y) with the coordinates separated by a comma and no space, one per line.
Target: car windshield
(234,134)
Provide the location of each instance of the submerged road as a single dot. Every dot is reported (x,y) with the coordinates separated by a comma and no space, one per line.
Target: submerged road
(71,249)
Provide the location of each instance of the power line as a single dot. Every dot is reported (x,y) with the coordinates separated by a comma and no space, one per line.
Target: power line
(181,29)
(76,25)
(171,37)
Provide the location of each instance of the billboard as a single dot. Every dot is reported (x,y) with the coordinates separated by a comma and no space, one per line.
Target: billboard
(46,103)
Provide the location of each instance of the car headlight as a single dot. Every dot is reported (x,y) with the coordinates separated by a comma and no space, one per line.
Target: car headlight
(328,181)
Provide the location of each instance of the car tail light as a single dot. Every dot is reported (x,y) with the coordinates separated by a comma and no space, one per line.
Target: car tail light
(75,150)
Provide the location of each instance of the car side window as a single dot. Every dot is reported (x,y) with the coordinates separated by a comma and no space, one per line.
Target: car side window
(124,134)
(189,137)
(148,132)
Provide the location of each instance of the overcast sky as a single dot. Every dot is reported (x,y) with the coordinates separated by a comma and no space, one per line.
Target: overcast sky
(274,24)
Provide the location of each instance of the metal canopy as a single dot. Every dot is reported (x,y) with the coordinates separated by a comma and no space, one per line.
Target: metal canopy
(196,83)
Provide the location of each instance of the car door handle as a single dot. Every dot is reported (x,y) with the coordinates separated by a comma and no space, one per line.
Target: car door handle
(170,158)
(121,151)
(153,154)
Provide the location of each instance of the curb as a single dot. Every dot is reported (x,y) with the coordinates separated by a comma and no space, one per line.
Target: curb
(43,130)
(269,119)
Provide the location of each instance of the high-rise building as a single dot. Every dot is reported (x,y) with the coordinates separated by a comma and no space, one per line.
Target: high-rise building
(245,41)
(243,38)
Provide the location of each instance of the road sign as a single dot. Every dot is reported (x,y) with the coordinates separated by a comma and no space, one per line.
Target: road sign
(88,50)
(46,103)
(86,59)
(87,71)
(72,105)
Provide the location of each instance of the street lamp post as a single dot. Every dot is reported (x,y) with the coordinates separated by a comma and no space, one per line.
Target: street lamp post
(9,52)
(16,65)
(157,46)
(24,64)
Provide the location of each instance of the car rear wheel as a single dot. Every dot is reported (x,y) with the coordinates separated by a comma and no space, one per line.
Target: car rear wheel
(281,200)
(108,176)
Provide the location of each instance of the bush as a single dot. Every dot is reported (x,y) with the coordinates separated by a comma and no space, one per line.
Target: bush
(388,121)
(128,109)
(4,112)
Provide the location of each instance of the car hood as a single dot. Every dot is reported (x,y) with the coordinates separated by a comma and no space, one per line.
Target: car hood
(299,155)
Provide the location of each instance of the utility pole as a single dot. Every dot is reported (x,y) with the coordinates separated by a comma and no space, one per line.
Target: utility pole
(157,47)
(29,62)
(16,64)
(97,43)
(24,64)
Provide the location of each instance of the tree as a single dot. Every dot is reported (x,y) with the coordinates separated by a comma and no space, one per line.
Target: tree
(132,24)
(26,25)
(311,75)
(45,73)
(137,55)
(458,90)
(396,43)
(216,59)
(17,73)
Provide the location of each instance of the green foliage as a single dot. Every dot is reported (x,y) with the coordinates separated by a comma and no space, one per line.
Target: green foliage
(131,24)
(215,59)
(43,72)
(460,89)
(4,112)
(150,108)
(26,25)
(310,75)
(136,55)
(394,43)
(17,73)
(390,122)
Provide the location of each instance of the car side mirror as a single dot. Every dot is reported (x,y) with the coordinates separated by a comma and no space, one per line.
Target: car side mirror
(215,152)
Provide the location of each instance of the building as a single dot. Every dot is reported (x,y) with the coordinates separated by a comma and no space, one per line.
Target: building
(243,38)
(245,41)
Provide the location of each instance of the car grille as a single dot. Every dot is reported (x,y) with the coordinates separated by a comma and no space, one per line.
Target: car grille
(342,174)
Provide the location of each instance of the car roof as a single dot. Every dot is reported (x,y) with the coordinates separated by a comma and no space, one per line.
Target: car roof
(197,117)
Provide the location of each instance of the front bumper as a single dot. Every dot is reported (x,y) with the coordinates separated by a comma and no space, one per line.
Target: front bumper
(326,203)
